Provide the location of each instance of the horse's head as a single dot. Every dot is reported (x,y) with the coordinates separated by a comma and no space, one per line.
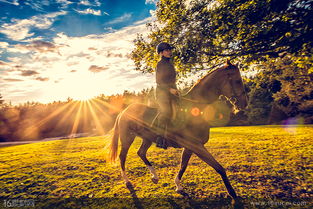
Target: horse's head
(232,86)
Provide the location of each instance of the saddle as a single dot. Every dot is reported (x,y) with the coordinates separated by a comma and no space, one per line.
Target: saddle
(176,123)
(177,120)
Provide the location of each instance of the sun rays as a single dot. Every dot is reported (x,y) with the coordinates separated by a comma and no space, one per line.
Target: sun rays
(90,117)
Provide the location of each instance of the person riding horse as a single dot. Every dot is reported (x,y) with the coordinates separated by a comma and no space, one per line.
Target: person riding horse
(137,118)
(166,91)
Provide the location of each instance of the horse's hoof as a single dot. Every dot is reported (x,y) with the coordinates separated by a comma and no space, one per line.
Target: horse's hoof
(182,192)
(155,180)
(237,203)
(129,185)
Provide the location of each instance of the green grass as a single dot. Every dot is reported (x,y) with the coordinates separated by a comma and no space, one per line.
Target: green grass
(264,163)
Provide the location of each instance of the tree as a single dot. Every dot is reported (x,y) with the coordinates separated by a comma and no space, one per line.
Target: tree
(282,89)
(295,97)
(205,32)
(260,98)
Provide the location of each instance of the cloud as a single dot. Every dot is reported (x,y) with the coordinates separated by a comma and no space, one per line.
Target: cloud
(40,46)
(97,69)
(37,5)
(151,2)
(120,19)
(4,45)
(105,54)
(144,21)
(72,63)
(28,73)
(88,3)
(20,29)
(64,3)
(80,54)
(89,11)
(109,29)
(14,2)
(42,79)
(3,63)
(12,80)
(38,38)
(97,3)
(9,67)
(44,59)
(110,54)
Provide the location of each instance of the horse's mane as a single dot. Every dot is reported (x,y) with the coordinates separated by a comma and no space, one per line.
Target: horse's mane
(205,76)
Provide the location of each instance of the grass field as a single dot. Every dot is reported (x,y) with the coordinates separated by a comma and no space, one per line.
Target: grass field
(268,166)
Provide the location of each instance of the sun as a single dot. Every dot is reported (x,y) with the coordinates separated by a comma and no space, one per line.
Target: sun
(83,97)
(79,88)
(83,86)
(84,92)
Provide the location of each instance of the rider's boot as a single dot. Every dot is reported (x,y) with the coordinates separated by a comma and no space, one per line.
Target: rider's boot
(161,142)
(161,131)
(161,139)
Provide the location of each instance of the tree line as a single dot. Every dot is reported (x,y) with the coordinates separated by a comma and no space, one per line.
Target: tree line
(33,120)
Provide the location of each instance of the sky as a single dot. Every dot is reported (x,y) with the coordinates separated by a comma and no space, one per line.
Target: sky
(52,50)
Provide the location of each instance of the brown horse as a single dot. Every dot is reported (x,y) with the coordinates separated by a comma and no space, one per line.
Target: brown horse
(193,130)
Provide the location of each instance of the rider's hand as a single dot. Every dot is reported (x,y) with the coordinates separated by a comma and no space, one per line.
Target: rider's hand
(174,91)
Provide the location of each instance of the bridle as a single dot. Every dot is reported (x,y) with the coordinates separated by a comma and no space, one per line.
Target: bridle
(233,97)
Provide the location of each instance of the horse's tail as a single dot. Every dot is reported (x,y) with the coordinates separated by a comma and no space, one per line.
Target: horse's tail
(114,142)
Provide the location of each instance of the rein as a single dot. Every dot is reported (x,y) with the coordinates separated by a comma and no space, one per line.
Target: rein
(191,100)
(233,98)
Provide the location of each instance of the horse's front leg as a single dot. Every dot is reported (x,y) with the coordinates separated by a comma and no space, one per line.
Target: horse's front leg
(203,154)
(183,165)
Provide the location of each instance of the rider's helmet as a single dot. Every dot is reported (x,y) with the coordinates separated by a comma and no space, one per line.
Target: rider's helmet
(163,46)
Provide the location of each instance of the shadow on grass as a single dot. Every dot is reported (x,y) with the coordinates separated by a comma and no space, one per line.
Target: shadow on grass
(132,191)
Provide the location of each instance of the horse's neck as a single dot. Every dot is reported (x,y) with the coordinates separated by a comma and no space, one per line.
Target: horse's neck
(204,91)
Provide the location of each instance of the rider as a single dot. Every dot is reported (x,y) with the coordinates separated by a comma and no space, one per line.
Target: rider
(166,90)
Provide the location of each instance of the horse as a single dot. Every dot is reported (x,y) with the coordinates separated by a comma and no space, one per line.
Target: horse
(191,135)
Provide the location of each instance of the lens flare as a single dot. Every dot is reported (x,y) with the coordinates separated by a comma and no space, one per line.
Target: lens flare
(195,112)
(209,113)
(291,124)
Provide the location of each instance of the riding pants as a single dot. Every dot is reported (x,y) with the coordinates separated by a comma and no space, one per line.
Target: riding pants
(166,102)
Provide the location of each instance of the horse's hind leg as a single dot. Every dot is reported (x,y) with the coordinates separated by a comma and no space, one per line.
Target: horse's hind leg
(126,140)
(142,152)
(183,165)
